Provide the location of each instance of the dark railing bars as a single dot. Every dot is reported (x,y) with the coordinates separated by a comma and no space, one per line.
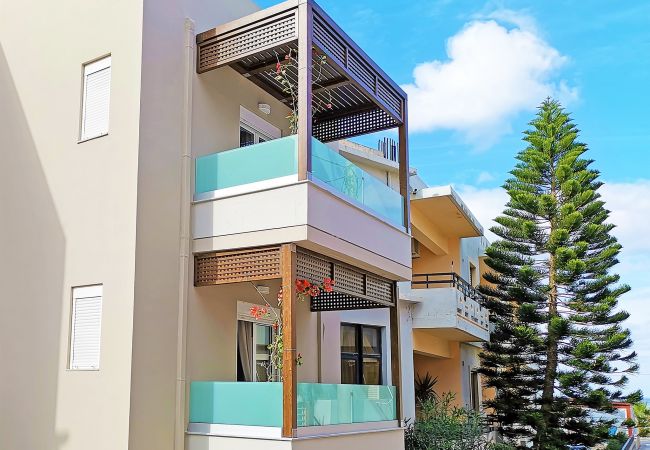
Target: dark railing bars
(452,279)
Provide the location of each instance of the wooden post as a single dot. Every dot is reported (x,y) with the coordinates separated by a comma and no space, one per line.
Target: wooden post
(404,169)
(289,368)
(304,88)
(395,355)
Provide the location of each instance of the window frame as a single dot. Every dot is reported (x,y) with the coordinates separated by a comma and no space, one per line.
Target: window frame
(261,128)
(243,315)
(473,275)
(474,390)
(89,68)
(257,135)
(359,355)
(77,293)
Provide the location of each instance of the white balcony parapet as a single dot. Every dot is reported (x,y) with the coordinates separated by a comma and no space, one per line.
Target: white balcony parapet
(448,308)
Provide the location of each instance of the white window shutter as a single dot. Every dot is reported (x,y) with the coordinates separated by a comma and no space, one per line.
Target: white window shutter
(86,327)
(96,99)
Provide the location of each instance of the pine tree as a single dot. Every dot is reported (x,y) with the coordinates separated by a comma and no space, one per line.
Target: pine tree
(559,349)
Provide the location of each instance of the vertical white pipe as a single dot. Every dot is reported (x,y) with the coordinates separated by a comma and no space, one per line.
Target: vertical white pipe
(184,240)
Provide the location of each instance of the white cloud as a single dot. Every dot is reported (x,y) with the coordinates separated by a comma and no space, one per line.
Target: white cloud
(484,177)
(485,204)
(629,204)
(492,74)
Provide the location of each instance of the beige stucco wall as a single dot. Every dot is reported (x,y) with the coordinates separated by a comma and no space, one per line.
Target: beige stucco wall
(212,331)
(67,218)
(205,121)
(428,262)
(453,371)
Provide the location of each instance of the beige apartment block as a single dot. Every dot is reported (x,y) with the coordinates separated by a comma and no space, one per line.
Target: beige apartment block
(152,194)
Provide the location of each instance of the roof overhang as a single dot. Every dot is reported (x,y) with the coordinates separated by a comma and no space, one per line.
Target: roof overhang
(443,208)
(363,98)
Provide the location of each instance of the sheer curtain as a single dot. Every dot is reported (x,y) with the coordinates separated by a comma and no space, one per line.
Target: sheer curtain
(245,348)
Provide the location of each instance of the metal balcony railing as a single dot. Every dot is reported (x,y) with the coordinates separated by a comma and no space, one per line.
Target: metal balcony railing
(450,279)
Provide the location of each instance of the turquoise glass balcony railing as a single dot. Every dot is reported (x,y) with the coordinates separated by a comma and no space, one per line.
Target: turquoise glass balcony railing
(260,404)
(347,178)
(278,158)
(232,403)
(335,404)
(259,162)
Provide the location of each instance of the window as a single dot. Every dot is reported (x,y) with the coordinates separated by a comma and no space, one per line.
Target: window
(253,339)
(253,354)
(255,130)
(250,136)
(85,333)
(475,399)
(473,280)
(361,361)
(95,99)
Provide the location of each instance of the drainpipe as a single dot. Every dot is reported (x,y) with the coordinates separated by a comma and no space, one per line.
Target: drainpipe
(184,241)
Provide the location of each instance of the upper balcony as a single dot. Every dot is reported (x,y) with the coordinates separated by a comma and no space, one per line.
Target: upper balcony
(297,188)
(448,305)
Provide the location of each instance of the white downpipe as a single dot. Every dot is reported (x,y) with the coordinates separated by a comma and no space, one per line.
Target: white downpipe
(184,242)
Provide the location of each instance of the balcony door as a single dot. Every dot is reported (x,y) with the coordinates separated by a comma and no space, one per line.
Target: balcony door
(253,355)
(253,339)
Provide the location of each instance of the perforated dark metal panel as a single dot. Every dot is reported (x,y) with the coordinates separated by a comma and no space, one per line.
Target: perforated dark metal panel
(355,124)
(337,301)
(236,266)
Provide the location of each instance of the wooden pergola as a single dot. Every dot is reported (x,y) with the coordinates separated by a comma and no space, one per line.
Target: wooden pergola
(362,99)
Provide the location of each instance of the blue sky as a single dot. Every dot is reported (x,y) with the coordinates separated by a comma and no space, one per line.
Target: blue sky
(476,70)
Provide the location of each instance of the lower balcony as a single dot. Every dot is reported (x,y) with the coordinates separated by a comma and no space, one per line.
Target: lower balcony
(446,304)
(252,196)
(255,409)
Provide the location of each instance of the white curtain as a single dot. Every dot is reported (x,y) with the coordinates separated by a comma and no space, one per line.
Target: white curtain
(245,348)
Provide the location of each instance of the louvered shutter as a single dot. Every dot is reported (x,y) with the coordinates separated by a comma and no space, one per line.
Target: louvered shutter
(86,327)
(96,98)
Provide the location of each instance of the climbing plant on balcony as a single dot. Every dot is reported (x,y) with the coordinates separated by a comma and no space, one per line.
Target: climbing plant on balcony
(304,289)
(286,68)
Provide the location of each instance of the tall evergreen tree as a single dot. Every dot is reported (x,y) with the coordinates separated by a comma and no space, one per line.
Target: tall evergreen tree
(558,349)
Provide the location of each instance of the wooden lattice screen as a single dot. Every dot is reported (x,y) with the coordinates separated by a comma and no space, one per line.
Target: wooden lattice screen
(354,289)
(236,266)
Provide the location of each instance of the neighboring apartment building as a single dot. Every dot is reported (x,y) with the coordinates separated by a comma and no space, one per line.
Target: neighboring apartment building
(152,195)
(447,313)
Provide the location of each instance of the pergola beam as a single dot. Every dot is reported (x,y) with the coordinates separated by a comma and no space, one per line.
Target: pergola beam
(305,35)
(284,24)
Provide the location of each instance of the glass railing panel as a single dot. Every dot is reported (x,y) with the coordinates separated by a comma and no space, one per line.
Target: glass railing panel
(345,177)
(234,403)
(335,404)
(250,164)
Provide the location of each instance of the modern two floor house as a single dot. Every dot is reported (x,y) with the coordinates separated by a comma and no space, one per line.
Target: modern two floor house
(172,171)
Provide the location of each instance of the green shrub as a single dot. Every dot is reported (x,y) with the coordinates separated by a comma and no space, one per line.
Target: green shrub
(442,426)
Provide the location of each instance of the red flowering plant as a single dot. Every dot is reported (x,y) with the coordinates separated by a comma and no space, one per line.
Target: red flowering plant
(320,102)
(304,288)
